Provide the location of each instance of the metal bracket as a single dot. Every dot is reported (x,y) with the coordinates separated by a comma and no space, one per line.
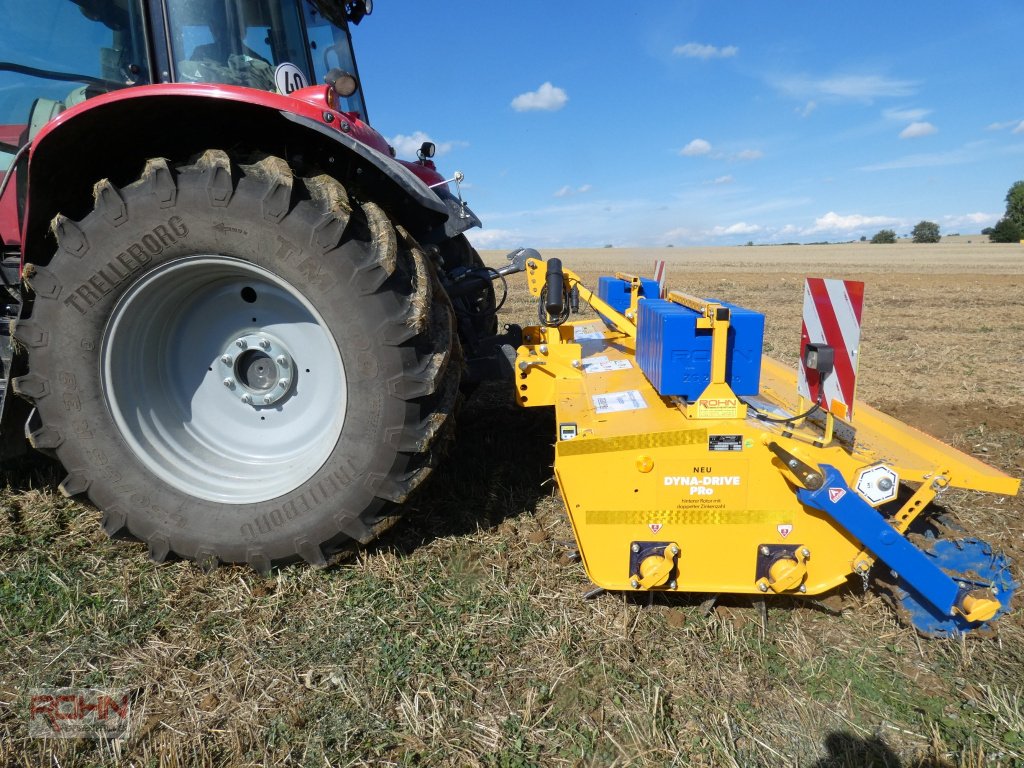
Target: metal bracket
(837,500)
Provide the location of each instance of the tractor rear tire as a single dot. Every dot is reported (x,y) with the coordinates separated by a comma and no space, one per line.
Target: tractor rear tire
(238,365)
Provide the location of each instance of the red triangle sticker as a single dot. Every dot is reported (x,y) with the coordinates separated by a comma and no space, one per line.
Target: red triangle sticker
(835,494)
(655,527)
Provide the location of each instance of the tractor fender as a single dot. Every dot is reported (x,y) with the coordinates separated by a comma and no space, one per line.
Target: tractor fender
(110,137)
(460,217)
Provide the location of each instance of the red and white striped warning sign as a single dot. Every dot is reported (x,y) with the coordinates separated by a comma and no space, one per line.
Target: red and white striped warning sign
(832,315)
(659,275)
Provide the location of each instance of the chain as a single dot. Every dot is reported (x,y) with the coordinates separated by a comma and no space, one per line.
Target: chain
(864,580)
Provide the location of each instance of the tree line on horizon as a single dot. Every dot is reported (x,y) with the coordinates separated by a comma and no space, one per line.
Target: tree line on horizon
(1009,229)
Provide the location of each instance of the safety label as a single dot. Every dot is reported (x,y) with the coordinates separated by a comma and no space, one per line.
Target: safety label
(587,332)
(566,431)
(601,364)
(612,402)
(725,442)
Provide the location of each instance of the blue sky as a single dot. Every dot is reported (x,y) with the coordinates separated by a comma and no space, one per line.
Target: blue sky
(581,124)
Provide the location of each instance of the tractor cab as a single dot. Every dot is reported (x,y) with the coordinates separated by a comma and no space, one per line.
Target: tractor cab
(58,53)
(272,45)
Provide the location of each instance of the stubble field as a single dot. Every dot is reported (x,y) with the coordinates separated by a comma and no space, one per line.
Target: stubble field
(462,638)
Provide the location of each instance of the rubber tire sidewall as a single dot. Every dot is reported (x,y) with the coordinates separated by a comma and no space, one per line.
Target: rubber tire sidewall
(341,491)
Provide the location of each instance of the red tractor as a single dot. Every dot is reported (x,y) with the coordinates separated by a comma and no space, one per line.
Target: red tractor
(237,320)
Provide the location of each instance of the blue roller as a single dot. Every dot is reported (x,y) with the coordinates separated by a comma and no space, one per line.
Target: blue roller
(931,582)
(971,560)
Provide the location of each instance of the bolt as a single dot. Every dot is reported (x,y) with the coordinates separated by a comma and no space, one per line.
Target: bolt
(227,360)
(674,549)
(672,584)
(543,349)
(793,463)
(241,343)
(765,550)
(283,383)
(805,552)
(282,361)
(264,343)
(803,587)
(229,383)
(523,365)
(812,478)
(575,363)
(635,548)
(268,400)
(763,587)
(247,398)
(634,584)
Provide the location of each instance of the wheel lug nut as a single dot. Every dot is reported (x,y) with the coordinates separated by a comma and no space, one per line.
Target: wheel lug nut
(227,360)
(264,343)
(241,343)
(283,383)
(282,361)
(229,383)
(247,399)
(268,399)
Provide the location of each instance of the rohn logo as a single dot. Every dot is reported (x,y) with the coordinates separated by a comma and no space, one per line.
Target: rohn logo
(74,713)
(718,402)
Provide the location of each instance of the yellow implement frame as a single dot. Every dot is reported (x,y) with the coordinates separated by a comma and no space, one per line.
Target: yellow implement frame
(674,495)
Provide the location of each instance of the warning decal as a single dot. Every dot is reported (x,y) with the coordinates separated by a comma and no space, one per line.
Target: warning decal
(835,494)
(832,315)
(659,276)
(586,332)
(613,402)
(601,364)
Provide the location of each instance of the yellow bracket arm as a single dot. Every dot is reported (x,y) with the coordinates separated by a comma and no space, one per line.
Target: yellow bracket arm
(536,275)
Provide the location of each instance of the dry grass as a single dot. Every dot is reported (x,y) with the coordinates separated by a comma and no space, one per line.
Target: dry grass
(462,638)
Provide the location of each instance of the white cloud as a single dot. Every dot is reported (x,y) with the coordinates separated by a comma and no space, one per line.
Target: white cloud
(568,191)
(807,108)
(678,233)
(906,115)
(865,88)
(917,130)
(749,154)
(739,228)
(701,51)
(547,98)
(979,220)
(834,222)
(1016,125)
(696,148)
(406,146)
(723,180)
(491,238)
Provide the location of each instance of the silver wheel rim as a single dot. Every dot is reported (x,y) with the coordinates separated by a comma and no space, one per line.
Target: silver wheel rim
(223,379)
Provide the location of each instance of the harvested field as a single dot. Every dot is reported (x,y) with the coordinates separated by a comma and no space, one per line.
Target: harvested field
(462,638)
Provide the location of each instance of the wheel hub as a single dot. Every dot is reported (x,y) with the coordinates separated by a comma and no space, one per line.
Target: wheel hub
(223,379)
(259,369)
